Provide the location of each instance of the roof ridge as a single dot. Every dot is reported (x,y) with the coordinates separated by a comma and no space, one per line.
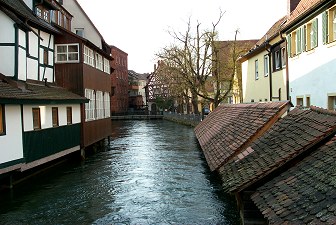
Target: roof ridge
(322,110)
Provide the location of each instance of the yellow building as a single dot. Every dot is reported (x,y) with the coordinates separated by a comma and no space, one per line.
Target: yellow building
(264,68)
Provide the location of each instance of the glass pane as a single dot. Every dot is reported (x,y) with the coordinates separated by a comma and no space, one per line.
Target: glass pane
(73,57)
(73,48)
(61,57)
(61,49)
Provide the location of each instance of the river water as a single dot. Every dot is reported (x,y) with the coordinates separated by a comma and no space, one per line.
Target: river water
(152,172)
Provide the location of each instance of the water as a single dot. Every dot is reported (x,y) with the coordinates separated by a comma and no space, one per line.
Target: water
(153,172)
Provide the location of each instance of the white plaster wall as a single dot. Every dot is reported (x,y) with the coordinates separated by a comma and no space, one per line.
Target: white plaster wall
(79,20)
(11,143)
(29,3)
(22,38)
(32,69)
(7,60)
(244,67)
(46,115)
(7,34)
(48,73)
(45,39)
(33,44)
(313,73)
(22,64)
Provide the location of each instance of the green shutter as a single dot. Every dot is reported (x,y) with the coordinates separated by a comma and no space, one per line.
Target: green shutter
(314,38)
(298,41)
(325,27)
(304,36)
(289,45)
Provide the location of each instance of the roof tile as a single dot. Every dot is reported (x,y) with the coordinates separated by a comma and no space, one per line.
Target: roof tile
(224,131)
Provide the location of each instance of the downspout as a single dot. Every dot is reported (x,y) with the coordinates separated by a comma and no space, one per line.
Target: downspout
(270,69)
(287,71)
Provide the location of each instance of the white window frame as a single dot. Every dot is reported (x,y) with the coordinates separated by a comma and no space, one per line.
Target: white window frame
(99,62)
(107,105)
(90,106)
(266,65)
(106,66)
(256,69)
(89,56)
(100,104)
(67,53)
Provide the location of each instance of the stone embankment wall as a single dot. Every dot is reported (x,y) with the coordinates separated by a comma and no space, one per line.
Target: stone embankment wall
(185,119)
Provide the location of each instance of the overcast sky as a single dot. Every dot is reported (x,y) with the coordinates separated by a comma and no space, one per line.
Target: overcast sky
(140,27)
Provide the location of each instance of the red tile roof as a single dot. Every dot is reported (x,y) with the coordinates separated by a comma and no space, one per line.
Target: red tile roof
(294,134)
(305,194)
(230,127)
(303,7)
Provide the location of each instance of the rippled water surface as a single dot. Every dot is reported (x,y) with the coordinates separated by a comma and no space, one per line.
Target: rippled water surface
(153,172)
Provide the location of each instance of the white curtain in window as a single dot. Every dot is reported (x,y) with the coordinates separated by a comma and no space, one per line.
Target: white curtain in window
(100,104)
(107,106)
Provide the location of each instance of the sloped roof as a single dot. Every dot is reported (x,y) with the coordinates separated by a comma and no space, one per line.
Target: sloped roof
(263,42)
(230,127)
(302,8)
(289,137)
(36,93)
(305,194)
(23,11)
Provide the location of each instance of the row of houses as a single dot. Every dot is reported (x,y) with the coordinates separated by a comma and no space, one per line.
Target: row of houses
(277,159)
(295,59)
(56,86)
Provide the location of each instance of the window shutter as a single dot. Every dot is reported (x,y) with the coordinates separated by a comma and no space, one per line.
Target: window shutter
(325,27)
(314,33)
(289,45)
(304,36)
(298,41)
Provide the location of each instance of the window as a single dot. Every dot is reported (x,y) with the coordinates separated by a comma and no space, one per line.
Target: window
(46,15)
(266,64)
(283,56)
(106,66)
(36,119)
(299,101)
(88,56)
(313,34)
(69,115)
(90,106)
(2,120)
(67,53)
(99,62)
(308,101)
(38,12)
(329,25)
(107,106)
(298,41)
(100,104)
(256,69)
(332,102)
(45,57)
(277,59)
(79,31)
(54,113)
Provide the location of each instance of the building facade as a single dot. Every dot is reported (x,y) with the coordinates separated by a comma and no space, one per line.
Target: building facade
(119,81)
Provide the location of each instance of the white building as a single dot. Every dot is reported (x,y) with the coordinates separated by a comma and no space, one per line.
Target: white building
(311,39)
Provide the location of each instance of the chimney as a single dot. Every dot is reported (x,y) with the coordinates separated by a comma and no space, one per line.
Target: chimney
(291,5)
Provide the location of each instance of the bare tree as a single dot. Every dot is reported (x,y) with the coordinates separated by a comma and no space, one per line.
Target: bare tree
(195,58)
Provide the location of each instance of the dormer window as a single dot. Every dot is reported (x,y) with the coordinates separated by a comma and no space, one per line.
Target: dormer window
(79,31)
(38,12)
(46,15)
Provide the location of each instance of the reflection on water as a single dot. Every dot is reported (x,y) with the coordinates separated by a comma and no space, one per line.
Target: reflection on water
(153,172)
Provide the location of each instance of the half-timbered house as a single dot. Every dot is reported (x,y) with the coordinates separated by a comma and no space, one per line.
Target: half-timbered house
(39,121)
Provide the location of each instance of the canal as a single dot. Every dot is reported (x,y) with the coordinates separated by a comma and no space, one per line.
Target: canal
(152,172)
